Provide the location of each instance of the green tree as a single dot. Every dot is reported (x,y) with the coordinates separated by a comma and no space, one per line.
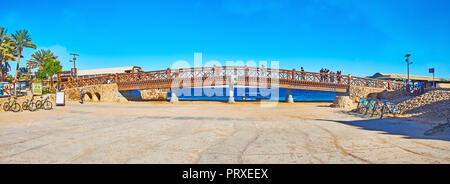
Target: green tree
(21,40)
(49,68)
(7,50)
(40,57)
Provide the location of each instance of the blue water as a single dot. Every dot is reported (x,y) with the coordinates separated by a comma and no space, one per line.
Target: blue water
(251,94)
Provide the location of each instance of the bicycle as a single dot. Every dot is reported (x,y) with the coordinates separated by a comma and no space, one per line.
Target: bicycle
(377,108)
(46,104)
(29,105)
(438,128)
(361,105)
(389,108)
(11,105)
(369,106)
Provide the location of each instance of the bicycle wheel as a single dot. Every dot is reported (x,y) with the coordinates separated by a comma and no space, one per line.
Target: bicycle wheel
(376,109)
(48,105)
(32,107)
(38,104)
(358,107)
(24,106)
(368,109)
(6,107)
(361,108)
(383,110)
(15,107)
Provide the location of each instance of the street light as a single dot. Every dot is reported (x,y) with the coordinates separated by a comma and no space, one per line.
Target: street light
(408,63)
(75,72)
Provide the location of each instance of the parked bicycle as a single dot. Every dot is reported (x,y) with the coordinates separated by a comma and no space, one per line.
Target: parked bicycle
(362,105)
(370,106)
(45,104)
(11,105)
(389,108)
(29,105)
(377,109)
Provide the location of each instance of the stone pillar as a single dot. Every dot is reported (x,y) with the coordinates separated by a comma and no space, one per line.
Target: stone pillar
(289,97)
(231,90)
(173,96)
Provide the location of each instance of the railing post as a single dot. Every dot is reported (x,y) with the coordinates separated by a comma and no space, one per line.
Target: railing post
(168,73)
(230,89)
(349,79)
(246,71)
(293,74)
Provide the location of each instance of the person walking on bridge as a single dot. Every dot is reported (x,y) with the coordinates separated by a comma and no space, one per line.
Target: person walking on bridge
(303,73)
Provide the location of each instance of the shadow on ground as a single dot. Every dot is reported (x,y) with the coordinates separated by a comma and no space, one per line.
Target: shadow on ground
(410,130)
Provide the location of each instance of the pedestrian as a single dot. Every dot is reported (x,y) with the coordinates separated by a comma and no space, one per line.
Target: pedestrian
(321,74)
(339,76)
(332,76)
(81,96)
(303,73)
(326,74)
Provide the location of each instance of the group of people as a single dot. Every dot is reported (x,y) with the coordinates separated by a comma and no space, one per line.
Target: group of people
(329,76)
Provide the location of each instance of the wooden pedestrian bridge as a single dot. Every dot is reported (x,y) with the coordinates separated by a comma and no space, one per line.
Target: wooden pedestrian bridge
(234,75)
(238,75)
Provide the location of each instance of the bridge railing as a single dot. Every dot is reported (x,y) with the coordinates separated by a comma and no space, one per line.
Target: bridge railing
(242,71)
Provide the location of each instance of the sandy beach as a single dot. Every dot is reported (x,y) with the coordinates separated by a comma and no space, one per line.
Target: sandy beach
(213,132)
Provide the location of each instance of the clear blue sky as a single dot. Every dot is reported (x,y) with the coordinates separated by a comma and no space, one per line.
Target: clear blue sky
(360,37)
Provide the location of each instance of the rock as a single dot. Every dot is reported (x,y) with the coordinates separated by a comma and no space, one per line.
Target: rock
(343,102)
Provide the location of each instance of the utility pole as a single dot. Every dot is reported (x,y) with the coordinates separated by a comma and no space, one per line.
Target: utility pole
(408,63)
(75,72)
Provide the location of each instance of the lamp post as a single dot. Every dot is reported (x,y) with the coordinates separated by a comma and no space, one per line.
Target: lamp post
(408,63)
(74,66)
(431,70)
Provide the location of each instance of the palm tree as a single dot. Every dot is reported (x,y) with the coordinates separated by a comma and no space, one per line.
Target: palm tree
(23,71)
(6,52)
(21,40)
(5,69)
(40,57)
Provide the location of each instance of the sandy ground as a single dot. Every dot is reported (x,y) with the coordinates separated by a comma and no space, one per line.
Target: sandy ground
(213,132)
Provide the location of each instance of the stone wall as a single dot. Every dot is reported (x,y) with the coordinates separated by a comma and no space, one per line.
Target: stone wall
(142,95)
(357,92)
(95,93)
(154,94)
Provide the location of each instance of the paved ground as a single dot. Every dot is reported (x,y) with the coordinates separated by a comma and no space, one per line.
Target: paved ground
(205,132)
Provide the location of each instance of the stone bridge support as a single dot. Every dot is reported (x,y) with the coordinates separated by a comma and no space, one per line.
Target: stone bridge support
(289,97)
(94,93)
(173,95)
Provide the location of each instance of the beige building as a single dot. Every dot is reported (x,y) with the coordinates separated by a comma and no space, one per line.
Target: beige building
(428,80)
(84,74)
